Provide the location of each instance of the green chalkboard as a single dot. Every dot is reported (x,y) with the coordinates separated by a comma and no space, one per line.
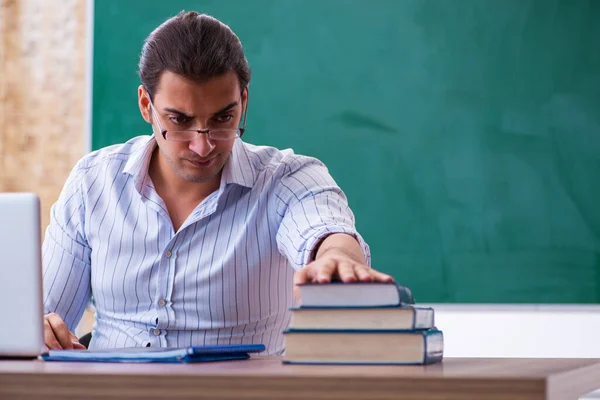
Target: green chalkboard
(466,133)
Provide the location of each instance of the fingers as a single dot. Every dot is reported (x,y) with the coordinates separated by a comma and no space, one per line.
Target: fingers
(381,277)
(364,274)
(317,271)
(49,338)
(56,334)
(361,273)
(347,272)
(326,270)
(300,277)
(76,344)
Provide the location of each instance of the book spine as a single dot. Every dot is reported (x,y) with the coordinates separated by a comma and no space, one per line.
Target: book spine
(423,318)
(434,346)
(405,295)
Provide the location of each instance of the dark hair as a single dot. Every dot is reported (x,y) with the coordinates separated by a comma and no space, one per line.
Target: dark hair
(196,46)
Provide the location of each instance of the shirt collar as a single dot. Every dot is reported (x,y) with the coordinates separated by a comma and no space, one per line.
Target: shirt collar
(138,162)
(238,169)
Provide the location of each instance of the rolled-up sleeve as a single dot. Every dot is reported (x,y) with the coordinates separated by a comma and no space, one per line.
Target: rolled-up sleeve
(66,255)
(313,207)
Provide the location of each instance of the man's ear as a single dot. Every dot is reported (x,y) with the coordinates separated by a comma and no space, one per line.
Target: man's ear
(144,104)
(245,99)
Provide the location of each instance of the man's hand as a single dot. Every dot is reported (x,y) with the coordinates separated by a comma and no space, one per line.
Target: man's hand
(57,336)
(339,257)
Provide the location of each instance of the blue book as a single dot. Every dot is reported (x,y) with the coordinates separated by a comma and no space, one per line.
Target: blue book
(157,355)
(369,347)
(356,294)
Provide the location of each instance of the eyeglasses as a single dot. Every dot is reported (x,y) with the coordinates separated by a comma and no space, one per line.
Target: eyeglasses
(187,135)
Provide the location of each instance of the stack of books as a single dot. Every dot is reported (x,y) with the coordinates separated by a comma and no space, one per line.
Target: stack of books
(361,323)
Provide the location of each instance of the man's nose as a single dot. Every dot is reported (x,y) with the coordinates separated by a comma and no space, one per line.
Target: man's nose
(202,144)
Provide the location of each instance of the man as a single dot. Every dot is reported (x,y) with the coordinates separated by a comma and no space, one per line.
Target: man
(191,236)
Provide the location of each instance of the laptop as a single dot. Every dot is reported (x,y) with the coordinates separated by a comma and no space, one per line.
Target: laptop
(21,319)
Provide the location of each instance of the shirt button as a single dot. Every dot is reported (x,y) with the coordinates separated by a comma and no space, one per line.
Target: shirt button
(168,253)
(162,302)
(156,332)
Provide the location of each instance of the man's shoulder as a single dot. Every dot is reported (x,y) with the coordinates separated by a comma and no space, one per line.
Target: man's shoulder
(106,156)
(274,160)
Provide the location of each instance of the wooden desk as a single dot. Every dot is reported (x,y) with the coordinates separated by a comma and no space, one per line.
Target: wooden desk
(267,378)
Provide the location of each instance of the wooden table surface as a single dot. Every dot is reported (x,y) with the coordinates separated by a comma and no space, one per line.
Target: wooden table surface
(267,378)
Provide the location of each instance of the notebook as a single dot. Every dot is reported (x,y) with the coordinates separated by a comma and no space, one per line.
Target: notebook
(157,355)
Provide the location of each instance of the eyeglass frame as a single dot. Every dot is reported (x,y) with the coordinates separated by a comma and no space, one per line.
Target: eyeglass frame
(239,131)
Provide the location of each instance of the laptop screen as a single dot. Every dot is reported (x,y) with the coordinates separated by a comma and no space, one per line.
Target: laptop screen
(20,276)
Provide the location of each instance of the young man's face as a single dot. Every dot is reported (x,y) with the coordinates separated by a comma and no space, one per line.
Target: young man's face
(180,104)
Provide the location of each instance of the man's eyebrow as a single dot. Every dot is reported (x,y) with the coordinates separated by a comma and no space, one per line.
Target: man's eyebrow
(179,113)
(184,115)
(226,108)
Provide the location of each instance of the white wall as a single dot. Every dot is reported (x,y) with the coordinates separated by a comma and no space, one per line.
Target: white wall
(532,331)
(561,331)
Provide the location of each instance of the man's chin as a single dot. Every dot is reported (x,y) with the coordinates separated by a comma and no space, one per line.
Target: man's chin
(196,176)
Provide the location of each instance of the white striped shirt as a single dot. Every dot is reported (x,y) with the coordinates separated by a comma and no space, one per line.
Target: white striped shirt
(224,278)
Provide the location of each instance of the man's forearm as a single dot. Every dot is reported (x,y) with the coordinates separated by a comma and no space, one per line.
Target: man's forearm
(344,244)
